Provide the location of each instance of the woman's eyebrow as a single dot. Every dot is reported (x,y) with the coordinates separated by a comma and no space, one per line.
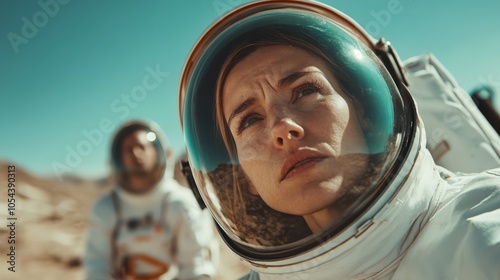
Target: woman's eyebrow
(242,107)
(293,77)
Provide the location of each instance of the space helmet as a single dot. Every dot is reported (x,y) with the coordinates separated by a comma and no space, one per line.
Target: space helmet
(368,71)
(155,137)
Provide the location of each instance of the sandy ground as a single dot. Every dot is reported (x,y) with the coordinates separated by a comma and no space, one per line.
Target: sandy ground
(50,229)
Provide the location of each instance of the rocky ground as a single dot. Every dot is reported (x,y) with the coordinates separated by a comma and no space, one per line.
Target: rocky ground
(51,225)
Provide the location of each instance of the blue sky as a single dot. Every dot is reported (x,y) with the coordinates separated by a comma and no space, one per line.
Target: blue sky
(72,71)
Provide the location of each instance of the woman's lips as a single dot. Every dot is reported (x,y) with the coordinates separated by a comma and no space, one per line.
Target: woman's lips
(300,161)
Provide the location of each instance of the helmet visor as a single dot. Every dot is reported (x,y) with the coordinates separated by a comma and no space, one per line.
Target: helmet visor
(290,122)
(137,152)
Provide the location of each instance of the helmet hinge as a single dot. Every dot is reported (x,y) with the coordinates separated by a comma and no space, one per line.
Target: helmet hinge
(391,60)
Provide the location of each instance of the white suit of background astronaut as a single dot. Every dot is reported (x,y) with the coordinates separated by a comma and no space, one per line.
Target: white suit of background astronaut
(407,218)
(148,226)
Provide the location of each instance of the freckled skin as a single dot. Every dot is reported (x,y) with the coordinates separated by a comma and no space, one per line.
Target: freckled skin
(310,112)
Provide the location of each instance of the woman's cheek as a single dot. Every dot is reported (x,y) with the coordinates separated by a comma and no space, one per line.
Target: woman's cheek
(252,149)
(253,157)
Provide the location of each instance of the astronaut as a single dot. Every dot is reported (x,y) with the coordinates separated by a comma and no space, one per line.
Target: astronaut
(148,226)
(313,157)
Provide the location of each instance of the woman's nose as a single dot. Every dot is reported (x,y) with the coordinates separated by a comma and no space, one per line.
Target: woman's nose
(285,131)
(137,151)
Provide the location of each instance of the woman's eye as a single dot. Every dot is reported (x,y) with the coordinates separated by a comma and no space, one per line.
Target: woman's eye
(247,121)
(306,90)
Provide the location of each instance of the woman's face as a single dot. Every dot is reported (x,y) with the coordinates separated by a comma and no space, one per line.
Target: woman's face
(139,157)
(295,131)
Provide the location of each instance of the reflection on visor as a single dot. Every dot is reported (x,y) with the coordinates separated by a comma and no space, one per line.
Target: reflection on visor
(151,136)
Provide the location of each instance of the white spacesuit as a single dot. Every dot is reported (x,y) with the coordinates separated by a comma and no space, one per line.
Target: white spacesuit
(459,136)
(406,217)
(158,233)
(424,227)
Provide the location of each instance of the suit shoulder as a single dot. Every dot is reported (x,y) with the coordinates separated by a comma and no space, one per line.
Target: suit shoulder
(103,207)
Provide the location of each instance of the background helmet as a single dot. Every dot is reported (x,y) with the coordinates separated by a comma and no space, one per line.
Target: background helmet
(370,74)
(157,139)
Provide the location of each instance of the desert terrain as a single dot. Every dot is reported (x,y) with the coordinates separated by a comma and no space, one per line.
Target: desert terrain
(50,230)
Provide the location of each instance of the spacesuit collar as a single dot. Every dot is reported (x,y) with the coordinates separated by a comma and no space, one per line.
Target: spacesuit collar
(373,245)
(146,199)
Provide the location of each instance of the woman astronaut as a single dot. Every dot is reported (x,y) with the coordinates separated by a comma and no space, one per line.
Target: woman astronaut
(307,148)
(148,227)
